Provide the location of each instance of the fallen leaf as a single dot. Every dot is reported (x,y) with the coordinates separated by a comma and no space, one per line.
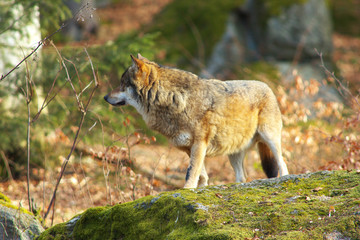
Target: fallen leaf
(317,189)
(218,195)
(331,209)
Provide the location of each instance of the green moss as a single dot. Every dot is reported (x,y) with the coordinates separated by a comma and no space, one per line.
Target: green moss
(55,233)
(4,198)
(5,201)
(296,207)
(276,7)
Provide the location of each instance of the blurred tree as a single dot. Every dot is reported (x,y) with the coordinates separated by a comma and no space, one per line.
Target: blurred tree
(22,22)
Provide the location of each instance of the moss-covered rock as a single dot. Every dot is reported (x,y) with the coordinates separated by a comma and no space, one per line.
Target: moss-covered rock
(4,198)
(16,222)
(309,206)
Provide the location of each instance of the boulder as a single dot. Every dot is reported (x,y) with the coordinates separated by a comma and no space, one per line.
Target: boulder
(287,35)
(322,205)
(298,30)
(17,223)
(274,32)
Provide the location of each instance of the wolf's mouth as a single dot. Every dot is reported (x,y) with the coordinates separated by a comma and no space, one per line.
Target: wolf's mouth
(109,100)
(119,103)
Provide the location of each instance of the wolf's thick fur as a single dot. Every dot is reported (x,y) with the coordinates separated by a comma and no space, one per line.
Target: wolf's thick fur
(205,117)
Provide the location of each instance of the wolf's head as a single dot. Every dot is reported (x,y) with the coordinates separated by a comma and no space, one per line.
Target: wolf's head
(133,83)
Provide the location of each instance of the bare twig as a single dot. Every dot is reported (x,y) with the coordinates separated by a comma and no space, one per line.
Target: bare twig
(135,167)
(77,73)
(26,9)
(198,39)
(53,212)
(49,98)
(40,43)
(12,24)
(28,101)
(86,182)
(76,17)
(106,172)
(300,46)
(7,166)
(44,180)
(341,85)
(92,68)
(75,141)
(80,105)
(46,101)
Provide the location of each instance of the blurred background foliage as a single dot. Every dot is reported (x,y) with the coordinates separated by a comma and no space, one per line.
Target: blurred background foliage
(195,34)
(172,38)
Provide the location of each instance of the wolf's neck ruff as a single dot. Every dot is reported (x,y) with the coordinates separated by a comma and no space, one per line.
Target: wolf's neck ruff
(205,117)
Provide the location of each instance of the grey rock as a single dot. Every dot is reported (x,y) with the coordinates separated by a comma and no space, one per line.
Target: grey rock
(230,50)
(335,235)
(287,41)
(298,31)
(15,224)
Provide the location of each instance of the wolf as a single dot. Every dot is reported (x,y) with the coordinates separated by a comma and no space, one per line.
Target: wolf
(205,117)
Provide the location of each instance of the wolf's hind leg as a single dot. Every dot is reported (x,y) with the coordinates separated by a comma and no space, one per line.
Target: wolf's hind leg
(203,180)
(237,162)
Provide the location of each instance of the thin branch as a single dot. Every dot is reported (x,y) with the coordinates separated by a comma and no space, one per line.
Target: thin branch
(63,167)
(7,166)
(53,213)
(151,174)
(92,68)
(43,41)
(28,101)
(77,73)
(198,39)
(12,24)
(69,155)
(80,105)
(332,74)
(86,182)
(26,9)
(46,101)
(40,43)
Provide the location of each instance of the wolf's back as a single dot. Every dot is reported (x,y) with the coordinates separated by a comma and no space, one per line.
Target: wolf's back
(255,92)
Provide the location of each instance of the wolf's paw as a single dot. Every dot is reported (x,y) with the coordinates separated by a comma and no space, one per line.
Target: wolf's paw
(190,185)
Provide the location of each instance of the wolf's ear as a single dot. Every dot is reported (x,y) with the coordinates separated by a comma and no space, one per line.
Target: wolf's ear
(141,57)
(142,71)
(138,63)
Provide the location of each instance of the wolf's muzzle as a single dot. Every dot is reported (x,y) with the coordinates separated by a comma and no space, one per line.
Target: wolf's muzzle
(109,100)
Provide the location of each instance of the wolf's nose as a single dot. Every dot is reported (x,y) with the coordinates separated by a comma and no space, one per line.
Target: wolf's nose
(106,97)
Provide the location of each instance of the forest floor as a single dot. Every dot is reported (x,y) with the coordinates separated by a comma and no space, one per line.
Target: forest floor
(95,181)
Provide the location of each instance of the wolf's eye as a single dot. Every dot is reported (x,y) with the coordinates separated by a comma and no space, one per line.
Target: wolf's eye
(132,74)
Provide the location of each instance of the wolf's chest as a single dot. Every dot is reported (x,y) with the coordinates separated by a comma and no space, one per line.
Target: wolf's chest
(183,139)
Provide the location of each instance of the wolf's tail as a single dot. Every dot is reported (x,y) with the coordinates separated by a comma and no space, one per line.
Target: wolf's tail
(268,161)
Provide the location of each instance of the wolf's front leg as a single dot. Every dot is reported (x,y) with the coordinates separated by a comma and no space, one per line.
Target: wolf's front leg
(197,156)
(203,180)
